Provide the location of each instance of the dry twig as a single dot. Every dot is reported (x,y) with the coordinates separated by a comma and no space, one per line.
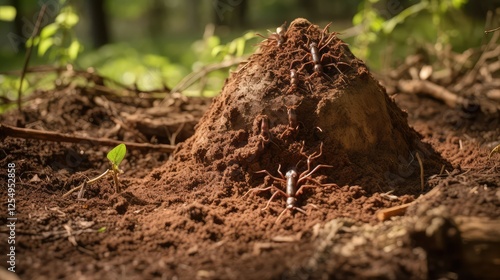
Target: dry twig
(195,76)
(27,133)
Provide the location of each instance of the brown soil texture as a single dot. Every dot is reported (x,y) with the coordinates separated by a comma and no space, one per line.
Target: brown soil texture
(186,216)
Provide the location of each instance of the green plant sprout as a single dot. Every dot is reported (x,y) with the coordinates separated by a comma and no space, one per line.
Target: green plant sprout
(115,156)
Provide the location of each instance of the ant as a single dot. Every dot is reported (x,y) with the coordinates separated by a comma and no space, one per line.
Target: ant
(278,36)
(265,134)
(261,128)
(293,124)
(294,82)
(293,183)
(314,50)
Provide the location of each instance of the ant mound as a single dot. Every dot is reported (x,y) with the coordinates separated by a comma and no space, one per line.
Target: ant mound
(302,102)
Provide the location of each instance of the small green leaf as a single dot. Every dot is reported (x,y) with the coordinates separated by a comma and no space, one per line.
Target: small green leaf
(67,18)
(357,19)
(231,48)
(44,46)
(32,41)
(217,50)
(101,230)
(73,50)
(7,13)
(212,41)
(240,47)
(49,30)
(117,154)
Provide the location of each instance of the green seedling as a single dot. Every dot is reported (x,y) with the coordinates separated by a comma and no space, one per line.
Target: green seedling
(115,156)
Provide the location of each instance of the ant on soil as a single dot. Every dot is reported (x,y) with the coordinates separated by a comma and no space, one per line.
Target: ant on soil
(293,124)
(294,82)
(314,50)
(278,36)
(262,127)
(265,134)
(293,182)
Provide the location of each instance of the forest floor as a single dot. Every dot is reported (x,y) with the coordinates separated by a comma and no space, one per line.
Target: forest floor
(143,233)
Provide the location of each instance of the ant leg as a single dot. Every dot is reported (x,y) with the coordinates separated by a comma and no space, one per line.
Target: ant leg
(280,215)
(273,177)
(321,184)
(278,191)
(257,190)
(331,64)
(294,208)
(303,177)
(279,171)
(323,32)
(327,42)
(300,61)
(300,210)
(310,157)
(265,38)
(303,187)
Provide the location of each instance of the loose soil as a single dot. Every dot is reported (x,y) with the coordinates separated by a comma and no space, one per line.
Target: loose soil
(186,215)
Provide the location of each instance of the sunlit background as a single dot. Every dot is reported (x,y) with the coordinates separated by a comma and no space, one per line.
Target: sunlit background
(153,43)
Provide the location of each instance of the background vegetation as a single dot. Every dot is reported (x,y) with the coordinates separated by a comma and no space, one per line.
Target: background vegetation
(148,44)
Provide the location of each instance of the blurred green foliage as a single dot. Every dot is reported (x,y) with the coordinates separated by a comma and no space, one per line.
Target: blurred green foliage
(59,38)
(384,42)
(7,13)
(385,35)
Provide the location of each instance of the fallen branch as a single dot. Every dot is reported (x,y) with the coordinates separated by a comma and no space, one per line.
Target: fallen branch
(26,133)
(436,91)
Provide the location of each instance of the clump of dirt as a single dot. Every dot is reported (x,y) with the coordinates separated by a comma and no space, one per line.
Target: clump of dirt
(266,119)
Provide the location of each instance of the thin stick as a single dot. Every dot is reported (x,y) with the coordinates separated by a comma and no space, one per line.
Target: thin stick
(27,133)
(491,30)
(81,186)
(28,54)
(387,213)
(421,171)
(194,76)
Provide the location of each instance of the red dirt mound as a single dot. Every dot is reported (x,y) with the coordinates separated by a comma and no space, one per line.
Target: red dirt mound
(266,119)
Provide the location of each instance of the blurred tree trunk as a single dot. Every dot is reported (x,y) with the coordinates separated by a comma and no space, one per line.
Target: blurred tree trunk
(98,22)
(18,23)
(157,14)
(230,12)
(310,8)
(479,9)
(193,15)
(241,14)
